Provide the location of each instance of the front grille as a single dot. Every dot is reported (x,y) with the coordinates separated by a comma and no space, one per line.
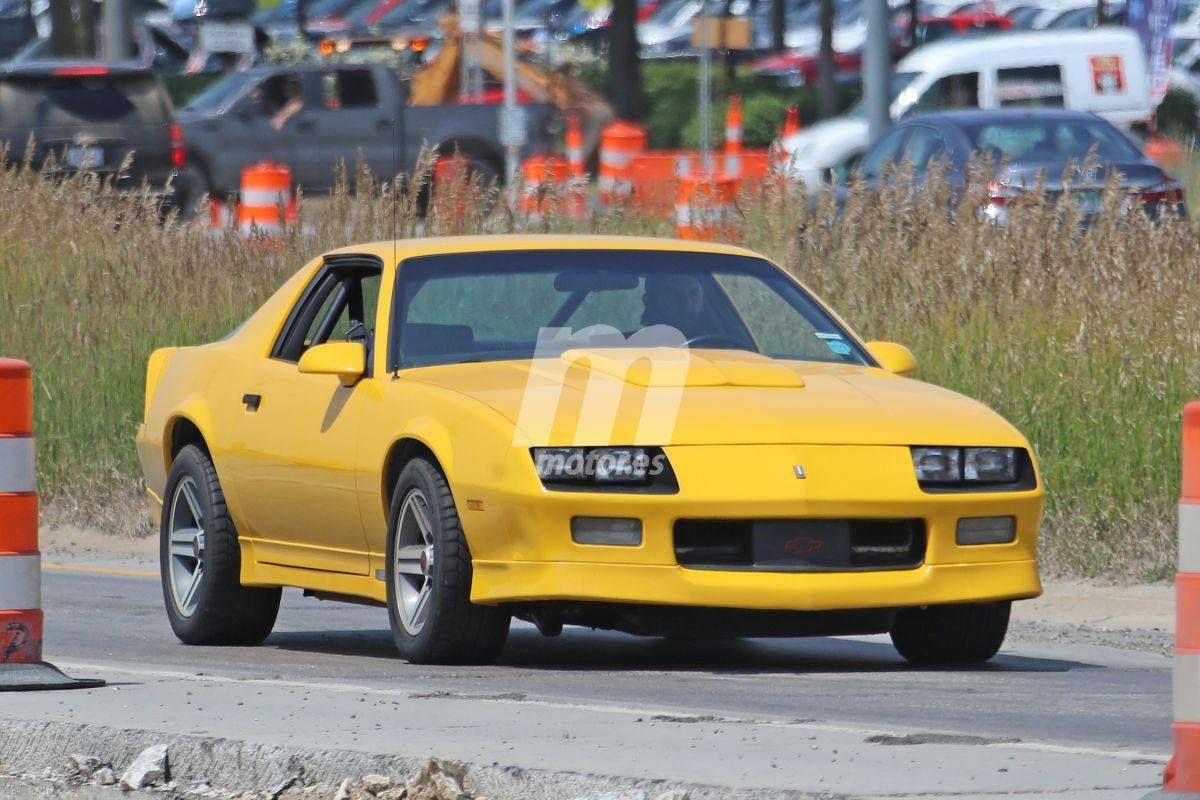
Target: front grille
(800,545)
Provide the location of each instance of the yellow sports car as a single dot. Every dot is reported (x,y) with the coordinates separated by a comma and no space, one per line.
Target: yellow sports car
(659,437)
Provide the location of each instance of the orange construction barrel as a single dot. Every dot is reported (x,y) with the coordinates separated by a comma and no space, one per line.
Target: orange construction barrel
(620,141)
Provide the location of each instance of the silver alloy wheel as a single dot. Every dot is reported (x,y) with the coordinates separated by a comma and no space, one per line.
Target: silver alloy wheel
(414,561)
(185,531)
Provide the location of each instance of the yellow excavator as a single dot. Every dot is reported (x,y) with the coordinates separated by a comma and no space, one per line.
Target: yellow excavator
(437,83)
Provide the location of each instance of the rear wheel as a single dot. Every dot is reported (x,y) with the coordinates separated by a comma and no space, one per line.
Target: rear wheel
(429,576)
(953,634)
(201,561)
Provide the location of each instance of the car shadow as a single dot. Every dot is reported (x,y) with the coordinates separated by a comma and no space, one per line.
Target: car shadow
(583,650)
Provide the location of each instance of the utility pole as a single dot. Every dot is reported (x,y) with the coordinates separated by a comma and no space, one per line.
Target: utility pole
(73,28)
(877,70)
(301,20)
(512,126)
(826,88)
(778,25)
(118,30)
(704,89)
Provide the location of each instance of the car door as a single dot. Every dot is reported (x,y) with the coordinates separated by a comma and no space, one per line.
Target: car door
(343,122)
(297,438)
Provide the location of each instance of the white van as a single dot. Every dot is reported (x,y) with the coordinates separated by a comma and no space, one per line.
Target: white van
(1102,70)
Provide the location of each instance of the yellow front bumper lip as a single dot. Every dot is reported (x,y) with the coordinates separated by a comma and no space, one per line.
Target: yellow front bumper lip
(932,584)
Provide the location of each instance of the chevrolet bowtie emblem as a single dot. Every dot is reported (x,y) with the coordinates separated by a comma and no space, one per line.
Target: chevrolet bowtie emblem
(799,470)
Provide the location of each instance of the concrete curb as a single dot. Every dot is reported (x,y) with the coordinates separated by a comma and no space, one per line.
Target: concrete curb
(32,748)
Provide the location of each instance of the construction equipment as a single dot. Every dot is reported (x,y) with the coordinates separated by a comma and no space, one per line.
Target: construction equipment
(438,83)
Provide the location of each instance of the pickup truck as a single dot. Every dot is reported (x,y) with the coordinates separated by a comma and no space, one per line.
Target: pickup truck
(312,117)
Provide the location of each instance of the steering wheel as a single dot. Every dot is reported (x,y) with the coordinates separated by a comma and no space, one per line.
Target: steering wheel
(714,340)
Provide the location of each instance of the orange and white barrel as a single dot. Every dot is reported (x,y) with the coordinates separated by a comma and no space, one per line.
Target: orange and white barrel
(575,155)
(266,188)
(733,137)
(221,213)
(544,180)
(1182,774)
(620,141)
(791,126)
(791,122)
(20,562)
(704,206)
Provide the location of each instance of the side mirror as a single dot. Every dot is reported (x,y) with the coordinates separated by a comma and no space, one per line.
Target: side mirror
(347,360)
(895,358)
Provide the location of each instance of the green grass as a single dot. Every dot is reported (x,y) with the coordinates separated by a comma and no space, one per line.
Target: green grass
(1088,342)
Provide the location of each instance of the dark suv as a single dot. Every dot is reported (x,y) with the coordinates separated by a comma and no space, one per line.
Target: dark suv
(92,116)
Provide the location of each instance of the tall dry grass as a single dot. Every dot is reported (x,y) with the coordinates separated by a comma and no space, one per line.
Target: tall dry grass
(1088,340)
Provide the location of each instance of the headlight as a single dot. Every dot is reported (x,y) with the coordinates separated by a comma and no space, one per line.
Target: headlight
(991,464)
(940,467)
(937,464)
(576,467)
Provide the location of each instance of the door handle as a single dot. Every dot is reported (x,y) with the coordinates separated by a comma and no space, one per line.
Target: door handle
(383,124)
(251,401)
(304,127)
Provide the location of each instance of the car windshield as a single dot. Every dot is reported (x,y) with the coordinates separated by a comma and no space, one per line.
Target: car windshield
(408,11)
(556,300)
(219,94)
(900,82)
(1050,141)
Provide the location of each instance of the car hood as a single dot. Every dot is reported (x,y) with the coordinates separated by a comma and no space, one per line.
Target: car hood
(825,144)
(652,33)
(715,397)
(190,116)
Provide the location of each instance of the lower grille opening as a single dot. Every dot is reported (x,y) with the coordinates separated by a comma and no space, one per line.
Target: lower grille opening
(800,545)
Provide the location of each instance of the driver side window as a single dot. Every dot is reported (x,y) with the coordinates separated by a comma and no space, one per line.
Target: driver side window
(340,306)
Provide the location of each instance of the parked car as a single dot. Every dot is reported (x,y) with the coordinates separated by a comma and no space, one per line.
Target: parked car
(1048,150)
(1102,71)
(936,29)
(793,69)
(314,117)
(91,116)
(1114,14)
(401,425)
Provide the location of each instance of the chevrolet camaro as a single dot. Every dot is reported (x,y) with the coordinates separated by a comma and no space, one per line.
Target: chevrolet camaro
(659,437)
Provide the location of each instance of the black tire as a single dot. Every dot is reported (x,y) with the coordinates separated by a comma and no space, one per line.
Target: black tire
(194,187)
(453,630)
(225,612)
(953,634)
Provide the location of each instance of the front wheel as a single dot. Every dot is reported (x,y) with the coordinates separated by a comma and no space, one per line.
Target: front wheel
(429,577)
(201,561)
(952,634)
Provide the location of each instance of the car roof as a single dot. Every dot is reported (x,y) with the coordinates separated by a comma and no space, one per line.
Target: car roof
(67,66)
(977,116)
(1007,43)
(395,251)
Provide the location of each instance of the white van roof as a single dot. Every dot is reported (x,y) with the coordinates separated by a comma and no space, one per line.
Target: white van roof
(978,51)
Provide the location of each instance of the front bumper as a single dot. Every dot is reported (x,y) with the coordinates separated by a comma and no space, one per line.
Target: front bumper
(523,550)
(516,581)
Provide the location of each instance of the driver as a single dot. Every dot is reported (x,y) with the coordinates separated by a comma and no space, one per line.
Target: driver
(677,301)
(293,102)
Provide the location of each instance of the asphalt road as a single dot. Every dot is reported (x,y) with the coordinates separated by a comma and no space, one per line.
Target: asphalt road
(1042,717)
